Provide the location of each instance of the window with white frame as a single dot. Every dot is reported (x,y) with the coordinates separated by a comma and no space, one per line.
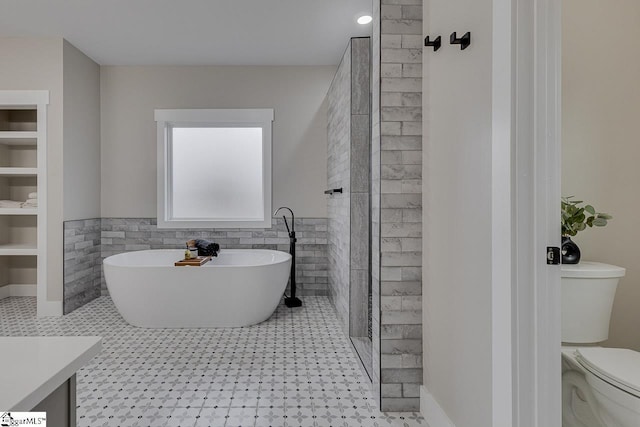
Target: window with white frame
(214,168)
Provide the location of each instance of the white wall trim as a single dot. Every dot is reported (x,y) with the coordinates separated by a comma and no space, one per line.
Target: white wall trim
(536,290)
(502,262)
(49,308)
(18,291)
(167,119)
(43,221)
(432,411)
(24,97)
(199,116)
(23,290)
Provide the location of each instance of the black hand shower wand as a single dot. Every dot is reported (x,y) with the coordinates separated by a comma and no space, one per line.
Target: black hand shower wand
(291,301)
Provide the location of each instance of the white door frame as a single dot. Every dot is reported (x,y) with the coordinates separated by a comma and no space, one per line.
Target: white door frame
(536,217)
(502,200)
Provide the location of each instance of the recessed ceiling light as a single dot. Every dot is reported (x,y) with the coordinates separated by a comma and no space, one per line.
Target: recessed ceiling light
(364,19)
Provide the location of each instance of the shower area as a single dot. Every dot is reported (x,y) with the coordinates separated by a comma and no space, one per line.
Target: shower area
(349,196)
(374,186)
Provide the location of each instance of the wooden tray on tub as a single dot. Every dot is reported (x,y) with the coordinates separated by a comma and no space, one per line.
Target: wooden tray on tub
(194,262)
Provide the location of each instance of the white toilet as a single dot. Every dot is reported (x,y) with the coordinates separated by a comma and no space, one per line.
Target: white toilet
(600,386)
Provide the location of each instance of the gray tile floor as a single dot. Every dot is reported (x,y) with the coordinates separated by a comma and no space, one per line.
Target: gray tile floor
(296,369)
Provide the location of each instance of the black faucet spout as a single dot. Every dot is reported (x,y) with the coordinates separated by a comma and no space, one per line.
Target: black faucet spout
(293,218)
(291,301)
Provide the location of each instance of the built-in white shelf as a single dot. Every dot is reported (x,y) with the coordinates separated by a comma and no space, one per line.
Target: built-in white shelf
(19,249)
(18,211)
(23,170)
(9,172)
(19,138)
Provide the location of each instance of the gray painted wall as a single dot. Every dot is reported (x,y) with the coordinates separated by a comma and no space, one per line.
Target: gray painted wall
(130,94)
(81,159)
(81,192)
(459,171)
(599,143)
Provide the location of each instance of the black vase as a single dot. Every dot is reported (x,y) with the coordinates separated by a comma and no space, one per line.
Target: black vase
(570,251)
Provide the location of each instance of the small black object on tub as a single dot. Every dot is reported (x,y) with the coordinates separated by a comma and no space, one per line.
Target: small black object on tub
(205,247)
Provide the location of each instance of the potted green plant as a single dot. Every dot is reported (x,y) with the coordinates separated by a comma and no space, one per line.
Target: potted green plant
(576,218)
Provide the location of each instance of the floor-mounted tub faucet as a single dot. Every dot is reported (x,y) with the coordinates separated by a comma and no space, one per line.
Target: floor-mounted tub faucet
(291,301)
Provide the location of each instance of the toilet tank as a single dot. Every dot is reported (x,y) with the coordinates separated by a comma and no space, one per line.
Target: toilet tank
(588,289)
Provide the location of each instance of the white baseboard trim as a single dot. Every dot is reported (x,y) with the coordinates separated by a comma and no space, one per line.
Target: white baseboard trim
(18,291)
(432,411)
(49,308)
(23,290)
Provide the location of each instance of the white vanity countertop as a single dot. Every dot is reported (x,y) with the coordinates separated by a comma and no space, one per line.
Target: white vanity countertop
(33,367)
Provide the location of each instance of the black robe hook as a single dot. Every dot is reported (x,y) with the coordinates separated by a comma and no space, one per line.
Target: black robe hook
(463,41)
(435,43)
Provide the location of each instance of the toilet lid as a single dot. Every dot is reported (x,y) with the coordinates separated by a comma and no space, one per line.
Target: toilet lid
(592,270)
(617,366)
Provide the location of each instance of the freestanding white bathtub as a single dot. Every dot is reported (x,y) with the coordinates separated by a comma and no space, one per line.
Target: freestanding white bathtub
(239,287)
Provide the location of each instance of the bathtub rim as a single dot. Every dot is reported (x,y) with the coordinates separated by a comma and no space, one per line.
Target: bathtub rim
(109,261)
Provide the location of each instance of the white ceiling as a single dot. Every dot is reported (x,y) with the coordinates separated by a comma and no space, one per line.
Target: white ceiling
(193,32)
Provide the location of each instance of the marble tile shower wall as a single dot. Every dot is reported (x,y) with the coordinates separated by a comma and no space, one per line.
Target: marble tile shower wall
(348,149)
(400,69)
(360,189)
(134,234)
(375,203)
(338,156)
(82,247)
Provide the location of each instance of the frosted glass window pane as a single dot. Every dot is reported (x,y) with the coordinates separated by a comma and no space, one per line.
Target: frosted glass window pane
(217,173)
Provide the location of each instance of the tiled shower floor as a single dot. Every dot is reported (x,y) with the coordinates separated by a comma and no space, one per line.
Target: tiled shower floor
(296,369)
